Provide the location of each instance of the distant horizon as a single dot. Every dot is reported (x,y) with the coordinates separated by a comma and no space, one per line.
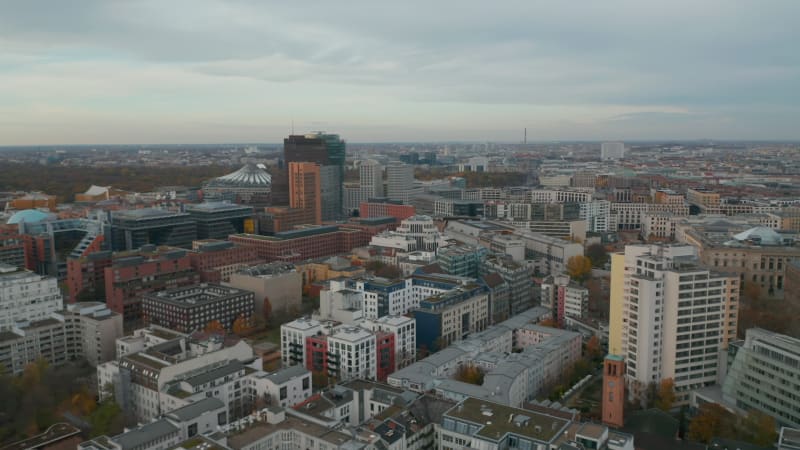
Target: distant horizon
(466,142)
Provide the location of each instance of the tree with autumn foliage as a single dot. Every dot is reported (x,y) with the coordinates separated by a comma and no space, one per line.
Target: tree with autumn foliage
(593,349)
(470,373)
(242,325)
(214,327)
(665,396)
(579,267)
(758,428)
(549,322)
(711,421)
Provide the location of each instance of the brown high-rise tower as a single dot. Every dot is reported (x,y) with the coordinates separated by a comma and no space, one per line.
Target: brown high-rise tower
(304,190)
(613,391)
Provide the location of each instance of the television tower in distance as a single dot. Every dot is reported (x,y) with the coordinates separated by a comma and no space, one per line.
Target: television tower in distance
(525,137)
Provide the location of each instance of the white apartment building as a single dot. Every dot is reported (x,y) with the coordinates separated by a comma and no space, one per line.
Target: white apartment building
(26,296)
(96,329)
(285,387)
(352,352)
(84,330)
(293,340)
(173,373)
(670,318)
(405,336)
(565,298)
(341,304)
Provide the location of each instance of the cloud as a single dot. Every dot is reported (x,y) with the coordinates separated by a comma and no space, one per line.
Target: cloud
(578,69)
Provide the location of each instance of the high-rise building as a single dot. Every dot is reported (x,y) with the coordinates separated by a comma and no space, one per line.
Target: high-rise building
(327,150)
(613,403)
(671,318)
(305,190)
(371,179)
(612,151)
(399,181)
(26,296)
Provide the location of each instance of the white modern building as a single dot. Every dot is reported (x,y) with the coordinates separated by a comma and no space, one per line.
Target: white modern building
(285,387)
(352,354)
(26,296)
(597,214)
(612,151)
(293,340)
(405,336)
(763,376)
(179,371)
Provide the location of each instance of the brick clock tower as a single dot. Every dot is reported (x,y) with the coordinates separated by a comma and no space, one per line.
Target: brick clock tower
(613,391)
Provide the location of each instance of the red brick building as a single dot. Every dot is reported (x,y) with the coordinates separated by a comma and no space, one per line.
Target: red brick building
(216,260)
(86,277)
(385,352)
(386,209)
(304,243)
(317,354)
(132,275)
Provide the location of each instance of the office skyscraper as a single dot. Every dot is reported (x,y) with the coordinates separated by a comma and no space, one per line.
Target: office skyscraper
(327,150)
(370,179)
(399,181)
(304,190)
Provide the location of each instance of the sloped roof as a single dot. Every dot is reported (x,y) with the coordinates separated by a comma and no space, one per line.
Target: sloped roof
(96,190)
(27,215)
(764,235)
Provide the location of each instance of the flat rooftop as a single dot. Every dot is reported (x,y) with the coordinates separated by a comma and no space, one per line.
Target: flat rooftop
(496,421)
(260,430)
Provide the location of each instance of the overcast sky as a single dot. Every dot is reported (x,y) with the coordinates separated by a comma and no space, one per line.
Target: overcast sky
(203,71)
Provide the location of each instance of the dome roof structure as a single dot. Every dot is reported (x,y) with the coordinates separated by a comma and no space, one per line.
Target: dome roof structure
(28,216)
(248,176)
(760,236)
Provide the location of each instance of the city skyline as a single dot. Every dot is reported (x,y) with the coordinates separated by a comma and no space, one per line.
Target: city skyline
(213,72)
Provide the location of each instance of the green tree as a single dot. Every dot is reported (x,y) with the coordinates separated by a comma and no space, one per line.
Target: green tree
(597,254)
(106,419)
